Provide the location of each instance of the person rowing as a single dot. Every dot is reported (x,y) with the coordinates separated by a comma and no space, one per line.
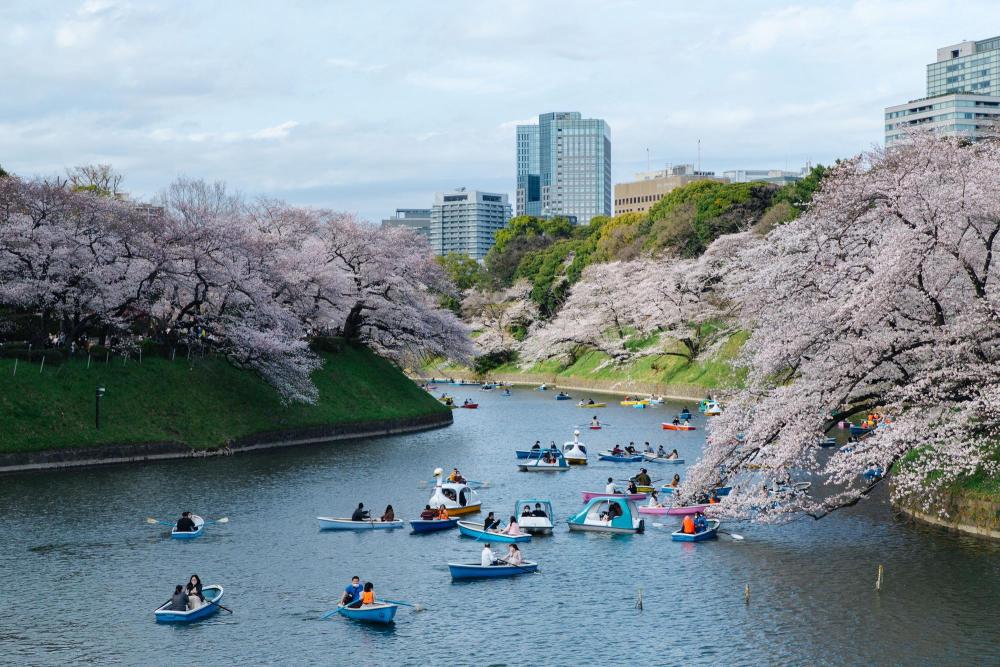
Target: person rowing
(590,401)
(537,446)
(643,478)
(661,452)
(186,524)
(610,487)
(595,421)
(700,523)
(617,451)
(648,449)
(353,591)
(428,514)
(685,413)
(676,421)
(360,514)
(631,448)
(490,522)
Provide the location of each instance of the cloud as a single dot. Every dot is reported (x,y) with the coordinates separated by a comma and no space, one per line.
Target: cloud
(354,65)
(455,83)
(791,23)
(281,131)
(276,132)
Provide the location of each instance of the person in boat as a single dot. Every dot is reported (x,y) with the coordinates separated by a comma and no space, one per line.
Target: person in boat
(610,487)
(713,498)
(632,488)
(428,514)
(590,401)
(661,452)
(595,421)
(552,446)
(193,589)
(617,451)
(513,556)
(179,600)
(490,522)
(614,510)
(676,481)
(353,591)
(526,511)
(512,528)
(486,557)
(673,456)
(537,446)
(648,448)
(687,526)
(360,514)
(466,402)
(538,511)
(389,514)
(631,448)
(367,596)
(186,524)
(685,413)
(506,392)
(548,458)
(654,500)
(676,421)
(643,478)
(700,523)
(442,512)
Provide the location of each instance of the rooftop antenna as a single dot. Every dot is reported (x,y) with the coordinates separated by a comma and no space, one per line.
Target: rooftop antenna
(647,159)
(699,156)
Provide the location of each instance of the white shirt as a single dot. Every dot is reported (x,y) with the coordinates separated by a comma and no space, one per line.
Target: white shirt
(487,557)
(514,557)
(610,488)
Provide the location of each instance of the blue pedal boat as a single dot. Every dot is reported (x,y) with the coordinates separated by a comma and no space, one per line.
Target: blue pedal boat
(199,529)
(596,516)
(627,458)
(432,525)
(212,593)
(709,533)
(554,462)
(478,571)
(533,453)
(380,612)
(469,529)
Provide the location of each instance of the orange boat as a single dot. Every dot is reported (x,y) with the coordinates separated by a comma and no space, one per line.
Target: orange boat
(667,426)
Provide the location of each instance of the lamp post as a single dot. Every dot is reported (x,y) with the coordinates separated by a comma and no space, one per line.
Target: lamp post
(97,404)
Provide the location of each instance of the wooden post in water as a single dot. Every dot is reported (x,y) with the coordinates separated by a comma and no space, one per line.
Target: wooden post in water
(638,601)
(746,594)
(878,579)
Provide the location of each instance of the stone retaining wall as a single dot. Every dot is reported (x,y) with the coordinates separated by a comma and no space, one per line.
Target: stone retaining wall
(965,513)
(140,452)
(683,392)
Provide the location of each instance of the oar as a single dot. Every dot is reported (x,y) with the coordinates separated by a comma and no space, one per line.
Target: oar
(224,519)
(152,521)
(519,567)
(416,607)
(732,535)
(328,614)
(220,606)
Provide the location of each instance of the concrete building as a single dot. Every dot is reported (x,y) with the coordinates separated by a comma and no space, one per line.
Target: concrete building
(465,221)
(649,187)
(963,95)
(776,176)
(417,219)
(564,167)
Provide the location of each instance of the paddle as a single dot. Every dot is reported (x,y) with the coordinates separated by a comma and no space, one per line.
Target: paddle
(220,606)
(523,569)
(735,536)
(328,614)
(151,520)
(416,607)
(224,519)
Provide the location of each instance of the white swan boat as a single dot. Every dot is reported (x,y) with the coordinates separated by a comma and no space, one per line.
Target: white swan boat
(575,452)
(457,497)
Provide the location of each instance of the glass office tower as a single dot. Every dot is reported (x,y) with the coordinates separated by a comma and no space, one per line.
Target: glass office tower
(564,167)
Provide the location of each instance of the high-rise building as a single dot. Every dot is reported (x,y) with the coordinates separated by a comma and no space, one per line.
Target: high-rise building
(649,187)
(417,219)
(464,221)
(564,167)
(963,95)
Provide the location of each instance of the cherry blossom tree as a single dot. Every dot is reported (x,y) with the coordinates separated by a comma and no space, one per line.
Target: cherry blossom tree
(883,296)
(497,316)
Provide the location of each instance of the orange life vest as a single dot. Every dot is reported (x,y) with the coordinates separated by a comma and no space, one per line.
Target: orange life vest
(688,526)
(368,597)
(443,514)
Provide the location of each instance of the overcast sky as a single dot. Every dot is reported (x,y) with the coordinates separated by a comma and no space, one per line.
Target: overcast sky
(369,106)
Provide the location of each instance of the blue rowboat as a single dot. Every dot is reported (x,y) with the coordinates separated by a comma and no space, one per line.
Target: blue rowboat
(722,490)
(212,593)
(477,571)
(199,528)
(627,458)
(709,533)
(380,612)
(563,397)
(475,530)
(330,523)
(860,430)
(432,525)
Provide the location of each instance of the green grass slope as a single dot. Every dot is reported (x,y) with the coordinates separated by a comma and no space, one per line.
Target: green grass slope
(203,403)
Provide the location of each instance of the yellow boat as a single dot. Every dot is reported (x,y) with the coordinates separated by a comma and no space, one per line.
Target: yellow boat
(591,405)
(642,402)
(640,488)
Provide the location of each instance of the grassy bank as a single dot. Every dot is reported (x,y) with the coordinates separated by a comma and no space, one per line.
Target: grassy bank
(203,403)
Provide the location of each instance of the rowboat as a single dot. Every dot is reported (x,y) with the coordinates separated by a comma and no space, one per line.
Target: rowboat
(581,404)
(475,530)
(432,525)
(199,528)
(457,497)
(629,402)
(469,406)
(625,458)
(596,516)
(478,571)
(710,533)
(590,495)
(686,509)
(722,490)
(536,524)
(595,428)
(575,452)
(212,593)
(641,488)
(662,459)
(656,511)
(330,523)
(380,612)
(563,397)
(640,406)
(860,430)
(667,426)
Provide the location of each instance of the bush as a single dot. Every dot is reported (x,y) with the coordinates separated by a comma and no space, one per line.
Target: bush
(484,363)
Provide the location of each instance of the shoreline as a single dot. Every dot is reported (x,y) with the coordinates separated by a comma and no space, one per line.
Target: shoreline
(676,392)
(61,459)
(969,515)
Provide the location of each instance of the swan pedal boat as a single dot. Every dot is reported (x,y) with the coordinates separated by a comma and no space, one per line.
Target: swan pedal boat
(710,533)
(331,523)
(432,525)
(667,426)
(624,458)
(575,452)
(478,571)
(212,593)
(475,530)
(635,497)
(464,501)
(662,459)
(581,404)
(380,612)
(199,529)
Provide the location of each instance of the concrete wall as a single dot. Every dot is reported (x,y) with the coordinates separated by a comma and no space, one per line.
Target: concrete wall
(964,513)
